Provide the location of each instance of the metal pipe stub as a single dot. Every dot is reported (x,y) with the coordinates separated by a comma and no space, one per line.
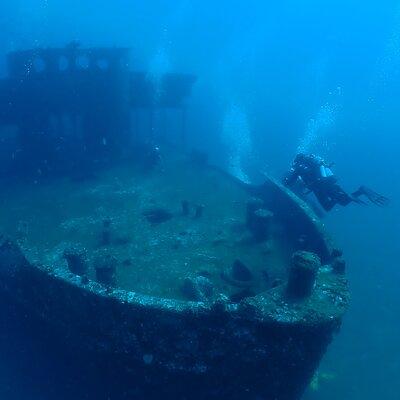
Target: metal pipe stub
(302,274)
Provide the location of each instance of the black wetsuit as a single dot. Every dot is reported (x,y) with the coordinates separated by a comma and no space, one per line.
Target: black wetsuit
(316,175)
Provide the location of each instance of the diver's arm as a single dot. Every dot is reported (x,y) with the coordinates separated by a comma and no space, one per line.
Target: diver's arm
(291,177)
(327,164)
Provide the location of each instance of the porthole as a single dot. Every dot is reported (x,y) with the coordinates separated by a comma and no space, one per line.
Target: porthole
(63,63)
(38,64)
(83,62)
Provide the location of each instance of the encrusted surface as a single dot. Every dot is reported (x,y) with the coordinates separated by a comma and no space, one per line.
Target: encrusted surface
(171,348)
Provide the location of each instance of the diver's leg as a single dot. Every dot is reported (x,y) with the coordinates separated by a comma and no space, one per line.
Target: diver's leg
(343,198)
(332,194)
(324,199)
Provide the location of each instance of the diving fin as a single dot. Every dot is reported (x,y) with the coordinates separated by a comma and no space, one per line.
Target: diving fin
(373,196)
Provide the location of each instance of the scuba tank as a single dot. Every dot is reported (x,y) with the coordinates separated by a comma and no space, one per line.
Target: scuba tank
(325,172)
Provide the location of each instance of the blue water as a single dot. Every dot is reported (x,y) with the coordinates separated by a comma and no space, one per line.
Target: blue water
(273,78)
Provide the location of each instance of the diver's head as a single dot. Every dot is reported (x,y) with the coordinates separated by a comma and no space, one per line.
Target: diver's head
(300,158)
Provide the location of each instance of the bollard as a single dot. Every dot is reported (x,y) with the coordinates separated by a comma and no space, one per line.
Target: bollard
(339,265)
(199,211)
(76,260)
(107,223)
(336,253)
(185,208)
(302,274)
(106,267)
(105,239)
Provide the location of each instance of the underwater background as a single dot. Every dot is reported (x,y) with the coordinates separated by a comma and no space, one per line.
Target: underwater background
(273,79)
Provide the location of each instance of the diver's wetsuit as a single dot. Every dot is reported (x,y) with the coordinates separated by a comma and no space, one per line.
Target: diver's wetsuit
(316,175)
(329,193)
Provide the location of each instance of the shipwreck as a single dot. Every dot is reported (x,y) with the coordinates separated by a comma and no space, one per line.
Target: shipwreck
(189,282)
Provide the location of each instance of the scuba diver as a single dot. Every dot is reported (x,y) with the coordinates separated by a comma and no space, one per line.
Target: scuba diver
(312,174)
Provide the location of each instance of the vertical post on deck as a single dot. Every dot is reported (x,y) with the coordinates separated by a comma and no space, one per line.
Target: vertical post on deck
(163,125)
(134,115)
(183,128)
(151,124)
(75,130)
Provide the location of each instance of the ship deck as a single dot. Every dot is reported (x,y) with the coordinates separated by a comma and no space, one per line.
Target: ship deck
(153,257)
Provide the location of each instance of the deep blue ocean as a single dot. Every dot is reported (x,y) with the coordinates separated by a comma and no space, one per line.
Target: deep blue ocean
(273,79)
